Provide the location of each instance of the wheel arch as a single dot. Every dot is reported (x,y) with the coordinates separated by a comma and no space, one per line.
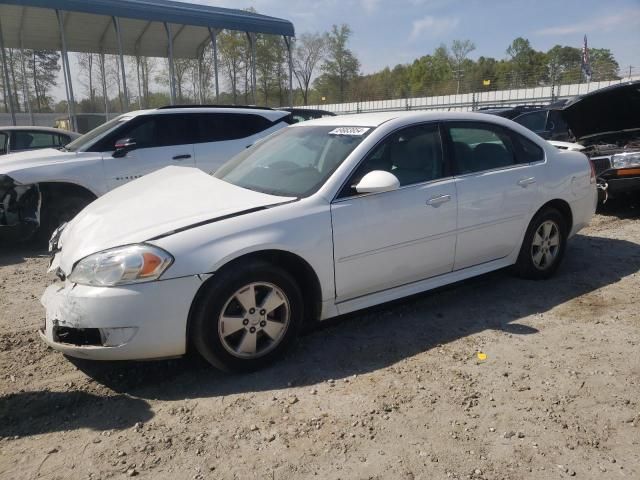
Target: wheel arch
(302,272)
(50,190)
(563,207)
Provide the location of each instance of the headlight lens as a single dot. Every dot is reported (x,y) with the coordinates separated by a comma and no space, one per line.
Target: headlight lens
(121,266)
(624,160)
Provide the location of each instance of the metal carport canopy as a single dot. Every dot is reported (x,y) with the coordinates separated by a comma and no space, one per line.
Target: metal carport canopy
(88,26)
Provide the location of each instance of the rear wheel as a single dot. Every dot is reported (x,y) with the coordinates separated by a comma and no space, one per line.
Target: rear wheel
(543,246)
(247,317)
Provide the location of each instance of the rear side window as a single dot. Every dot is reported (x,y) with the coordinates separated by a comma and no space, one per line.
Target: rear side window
(526,150)
(33,139)
(478,147)
(534,121)
(218,127)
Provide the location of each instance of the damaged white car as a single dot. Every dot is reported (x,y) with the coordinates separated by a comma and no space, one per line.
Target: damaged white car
(41,189)
(320,219)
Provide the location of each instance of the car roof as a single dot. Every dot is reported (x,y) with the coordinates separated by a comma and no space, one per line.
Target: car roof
(36,128)
(378,118)
(267,113)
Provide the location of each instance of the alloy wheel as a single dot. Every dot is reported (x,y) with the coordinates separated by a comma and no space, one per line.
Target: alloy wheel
(254,320)
(545,245)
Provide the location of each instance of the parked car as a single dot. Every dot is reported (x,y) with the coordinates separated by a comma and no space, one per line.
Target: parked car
(304,114)
(509,112)
(547,122)
(41,189)
(605,125)
(22,139)
(320,219)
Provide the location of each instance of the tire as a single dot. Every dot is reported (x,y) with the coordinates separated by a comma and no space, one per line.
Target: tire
(543,246)
(53,214)
(251,337)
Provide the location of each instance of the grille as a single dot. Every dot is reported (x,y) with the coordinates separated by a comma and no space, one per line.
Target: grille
(601,164)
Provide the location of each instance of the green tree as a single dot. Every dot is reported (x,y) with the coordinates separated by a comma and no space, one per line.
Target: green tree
(310,49)
(460,50)
(341,66)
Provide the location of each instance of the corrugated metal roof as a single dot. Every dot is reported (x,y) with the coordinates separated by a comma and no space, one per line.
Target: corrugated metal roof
(88,25)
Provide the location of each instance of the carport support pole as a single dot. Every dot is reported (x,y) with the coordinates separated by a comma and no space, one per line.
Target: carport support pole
(172,84)
(5,72)
(252,44)
(213,33)
(287,41)
(139,87)
(67,71)
(25,86)
(125,95)
(105,94)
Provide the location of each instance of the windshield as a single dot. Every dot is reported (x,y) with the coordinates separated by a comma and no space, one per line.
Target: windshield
(293,162)
(85,141)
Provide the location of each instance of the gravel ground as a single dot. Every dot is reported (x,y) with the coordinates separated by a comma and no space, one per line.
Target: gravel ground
(396,392)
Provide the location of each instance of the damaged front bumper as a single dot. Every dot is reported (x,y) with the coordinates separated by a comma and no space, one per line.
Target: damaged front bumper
(131,322)
(19,210)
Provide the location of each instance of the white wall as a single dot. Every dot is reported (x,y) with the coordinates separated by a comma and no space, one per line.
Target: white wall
(465,102)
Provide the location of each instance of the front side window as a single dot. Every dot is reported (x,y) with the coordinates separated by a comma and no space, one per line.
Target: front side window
(413,155)
(91,142)
(293,162)
(478,147)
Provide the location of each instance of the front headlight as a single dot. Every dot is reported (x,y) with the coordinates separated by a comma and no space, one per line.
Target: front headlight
(121,266)
(627,159)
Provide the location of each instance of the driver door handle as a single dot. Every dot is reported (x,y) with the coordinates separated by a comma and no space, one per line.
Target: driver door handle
(182,157)
(525,182)
(438,200)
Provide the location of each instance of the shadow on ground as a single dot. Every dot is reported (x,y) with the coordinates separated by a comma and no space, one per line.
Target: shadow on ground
(30,413)
(15,254)
(624,206)
(379,337)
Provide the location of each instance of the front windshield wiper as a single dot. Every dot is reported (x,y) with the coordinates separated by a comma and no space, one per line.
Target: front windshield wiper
(64,149)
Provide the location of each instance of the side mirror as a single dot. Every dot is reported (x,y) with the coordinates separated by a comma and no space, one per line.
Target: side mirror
(377,181)
(123,146)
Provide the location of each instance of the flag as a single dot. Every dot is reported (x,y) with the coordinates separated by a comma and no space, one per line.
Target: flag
(586,66)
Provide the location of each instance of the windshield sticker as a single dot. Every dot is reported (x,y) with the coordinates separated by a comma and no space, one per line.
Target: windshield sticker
(354,131)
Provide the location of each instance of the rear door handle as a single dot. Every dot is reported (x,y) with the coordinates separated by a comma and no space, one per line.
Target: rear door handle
(438,200)
(525,182)
(182,157)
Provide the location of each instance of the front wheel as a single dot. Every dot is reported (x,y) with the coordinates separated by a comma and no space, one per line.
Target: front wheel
(543,246)
(247,316)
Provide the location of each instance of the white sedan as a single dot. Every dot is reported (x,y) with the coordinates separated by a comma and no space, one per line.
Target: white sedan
(320,219)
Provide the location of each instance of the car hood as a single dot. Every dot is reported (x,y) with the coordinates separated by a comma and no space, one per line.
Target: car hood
(608,110)
(32,158)
(160,203)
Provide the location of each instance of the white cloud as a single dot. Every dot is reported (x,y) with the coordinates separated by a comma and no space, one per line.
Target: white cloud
(370,6)
(606,23)
(432,26)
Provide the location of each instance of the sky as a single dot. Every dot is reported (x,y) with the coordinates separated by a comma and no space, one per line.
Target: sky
(387,32)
